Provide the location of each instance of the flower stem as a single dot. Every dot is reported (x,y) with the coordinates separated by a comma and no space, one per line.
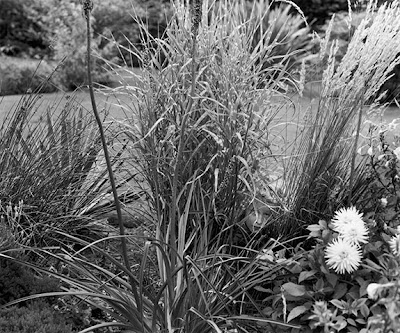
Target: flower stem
(87,6)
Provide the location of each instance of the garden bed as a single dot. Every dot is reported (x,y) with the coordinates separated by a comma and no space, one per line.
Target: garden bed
(245,208)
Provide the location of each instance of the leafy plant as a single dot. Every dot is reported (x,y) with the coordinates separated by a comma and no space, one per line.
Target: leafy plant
(19,34)
(288,39)
(61,26)
(313,291)
(36,317)
(19,78)
(16,282)
(308,292)
(381,200)
(115,22)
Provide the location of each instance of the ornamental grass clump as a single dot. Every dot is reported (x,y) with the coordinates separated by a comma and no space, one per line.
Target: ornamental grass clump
(51,168)
(320,170)
(199,125)
(193,131)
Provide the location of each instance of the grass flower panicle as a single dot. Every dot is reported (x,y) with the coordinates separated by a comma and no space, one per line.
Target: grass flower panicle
(196,11)
(345,217)
(342,256)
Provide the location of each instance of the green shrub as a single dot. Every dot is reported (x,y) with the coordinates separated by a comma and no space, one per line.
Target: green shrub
(16,281)
(64,32)
(289,40)
(49,314)
(342,32)
(19,34)
(330,295)
(117,23)
(17,76)
(318,11)
(36,317)
(72,74)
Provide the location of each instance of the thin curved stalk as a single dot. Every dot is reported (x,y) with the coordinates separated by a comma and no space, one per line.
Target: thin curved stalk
(87,7)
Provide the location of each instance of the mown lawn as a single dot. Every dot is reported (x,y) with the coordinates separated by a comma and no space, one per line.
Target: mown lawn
(105,103)
(118,106)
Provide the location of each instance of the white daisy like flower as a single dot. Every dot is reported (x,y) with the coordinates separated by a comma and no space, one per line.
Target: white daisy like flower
(342,256)
(355,233)
(384,202)
(346,216)
(394,245)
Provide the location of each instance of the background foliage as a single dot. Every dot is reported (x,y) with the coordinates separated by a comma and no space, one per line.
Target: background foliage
(18,32)
(52,30)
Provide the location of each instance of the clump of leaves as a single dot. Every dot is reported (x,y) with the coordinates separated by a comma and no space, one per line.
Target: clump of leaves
(310,292)
(37,316)
(381,200)
(16,281)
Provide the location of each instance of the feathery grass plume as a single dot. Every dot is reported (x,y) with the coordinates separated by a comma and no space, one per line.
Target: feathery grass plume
(317,174)
(302,78)
(196,8)
(16,227)
(9,219)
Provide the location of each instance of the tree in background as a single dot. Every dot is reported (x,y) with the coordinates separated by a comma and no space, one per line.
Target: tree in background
(116,21)
(19,34)
(318,11)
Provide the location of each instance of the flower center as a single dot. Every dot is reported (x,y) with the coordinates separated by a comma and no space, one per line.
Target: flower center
(353,232)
